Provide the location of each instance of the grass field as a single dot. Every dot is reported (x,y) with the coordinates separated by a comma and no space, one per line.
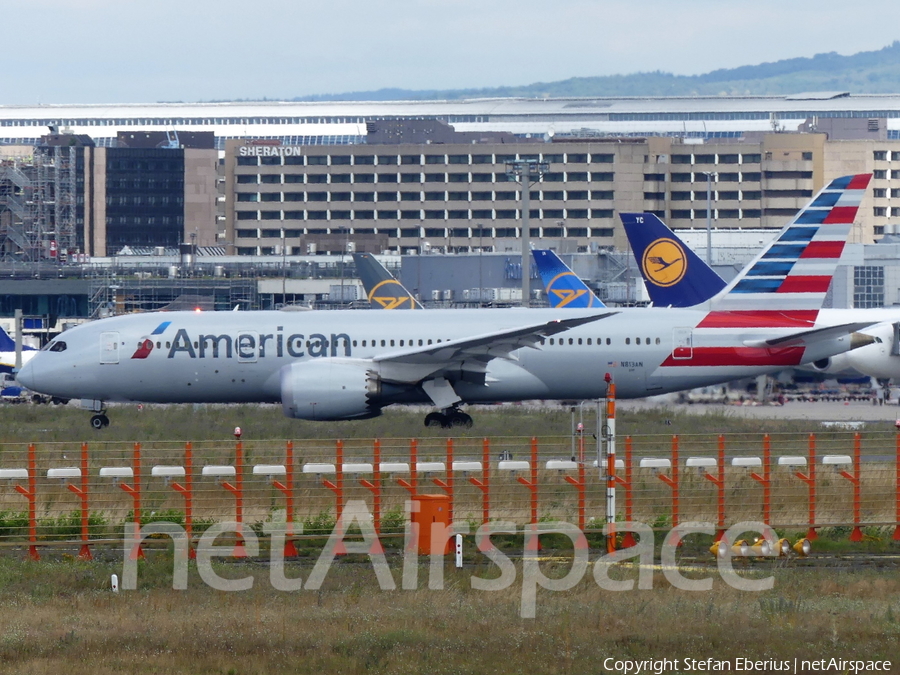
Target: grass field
(51,424)
(58,615)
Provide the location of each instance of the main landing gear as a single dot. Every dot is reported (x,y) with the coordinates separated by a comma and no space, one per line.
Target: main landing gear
(449,419)
(99,421)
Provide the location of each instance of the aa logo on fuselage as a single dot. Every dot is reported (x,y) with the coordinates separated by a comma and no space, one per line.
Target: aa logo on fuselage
(664,262)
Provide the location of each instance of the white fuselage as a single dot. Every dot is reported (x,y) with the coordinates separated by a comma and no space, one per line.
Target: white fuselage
(181,357)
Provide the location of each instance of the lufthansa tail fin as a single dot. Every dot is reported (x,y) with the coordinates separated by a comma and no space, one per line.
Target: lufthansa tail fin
(674,275)
(785,284)
(564,288)
(382,289)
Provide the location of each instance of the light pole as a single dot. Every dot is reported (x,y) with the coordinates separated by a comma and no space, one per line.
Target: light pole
(345,231)
(480,263)
(419,266)
(523,171)
(709,176)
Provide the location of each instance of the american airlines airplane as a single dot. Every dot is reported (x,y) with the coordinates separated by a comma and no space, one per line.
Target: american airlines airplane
(331,365)
(653,242)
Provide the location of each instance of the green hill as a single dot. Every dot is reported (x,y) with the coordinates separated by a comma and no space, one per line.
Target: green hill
(875,72)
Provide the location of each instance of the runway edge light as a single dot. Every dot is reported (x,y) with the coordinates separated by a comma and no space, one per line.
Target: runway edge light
(803,547)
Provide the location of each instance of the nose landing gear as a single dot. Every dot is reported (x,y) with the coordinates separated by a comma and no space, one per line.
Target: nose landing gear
(99,421)
(449,419)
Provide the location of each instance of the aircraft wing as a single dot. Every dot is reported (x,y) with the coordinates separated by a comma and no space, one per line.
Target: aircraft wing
(418,363)
(810,337)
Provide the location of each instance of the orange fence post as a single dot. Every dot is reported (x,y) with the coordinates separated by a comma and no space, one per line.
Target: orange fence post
(766,479)
(672,481)
(238,491)
(579,482)
(187,491)
(856,534)
(897,497)
(810,479)
(82,492)
(447,484)
(532,487)
(30,494)
(375,487)
(628,538)
(485,483)
(337,487)
(719,482)
(135,492)
(287,489)
(413,483)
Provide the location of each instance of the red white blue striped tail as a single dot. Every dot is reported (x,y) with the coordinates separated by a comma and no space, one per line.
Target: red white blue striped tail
(785,285)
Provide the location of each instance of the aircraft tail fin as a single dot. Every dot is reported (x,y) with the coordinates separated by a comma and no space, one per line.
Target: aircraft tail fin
(382,289)
(674,275)
(785,285)
(7,344)
(563,287)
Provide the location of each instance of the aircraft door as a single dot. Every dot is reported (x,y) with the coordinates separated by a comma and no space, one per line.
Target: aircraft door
(109,347)
(683,343)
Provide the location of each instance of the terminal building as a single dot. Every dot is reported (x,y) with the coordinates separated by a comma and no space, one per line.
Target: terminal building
(760,157)
(292,187)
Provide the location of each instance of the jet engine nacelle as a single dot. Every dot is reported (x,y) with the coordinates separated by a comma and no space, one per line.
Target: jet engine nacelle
(880,359)
(833,365)
(328,389)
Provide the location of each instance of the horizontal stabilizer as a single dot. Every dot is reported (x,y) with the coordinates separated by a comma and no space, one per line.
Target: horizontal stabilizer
(810,337)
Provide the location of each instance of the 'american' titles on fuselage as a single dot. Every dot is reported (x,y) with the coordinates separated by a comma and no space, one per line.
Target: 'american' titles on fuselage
(250,345)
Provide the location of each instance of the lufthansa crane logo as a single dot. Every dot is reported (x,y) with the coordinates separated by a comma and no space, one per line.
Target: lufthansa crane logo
(664,262)
(381,295)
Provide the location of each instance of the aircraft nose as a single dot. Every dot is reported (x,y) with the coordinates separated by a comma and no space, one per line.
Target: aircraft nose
(26,376)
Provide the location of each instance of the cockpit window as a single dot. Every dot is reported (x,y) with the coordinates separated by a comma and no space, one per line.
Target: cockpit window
(58,346)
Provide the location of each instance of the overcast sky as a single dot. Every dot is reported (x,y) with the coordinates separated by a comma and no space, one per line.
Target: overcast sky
(121,51)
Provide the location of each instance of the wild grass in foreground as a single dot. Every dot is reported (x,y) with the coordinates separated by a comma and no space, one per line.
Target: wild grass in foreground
(55,424)
(61,617)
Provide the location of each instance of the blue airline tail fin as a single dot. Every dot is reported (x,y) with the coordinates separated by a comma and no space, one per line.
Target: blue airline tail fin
(564,288)
(7,344)
(673,274)
(382,289)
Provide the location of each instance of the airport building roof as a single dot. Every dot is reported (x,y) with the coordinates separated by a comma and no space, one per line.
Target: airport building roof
(321,122)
